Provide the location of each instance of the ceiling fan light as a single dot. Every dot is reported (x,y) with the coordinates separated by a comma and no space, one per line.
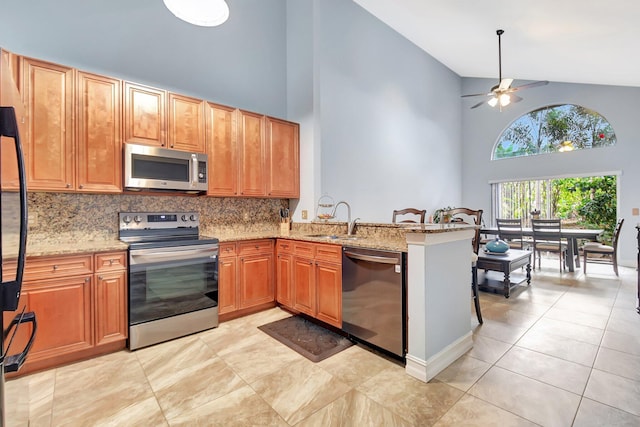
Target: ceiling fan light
(204,13)
(505,100)
(493,101)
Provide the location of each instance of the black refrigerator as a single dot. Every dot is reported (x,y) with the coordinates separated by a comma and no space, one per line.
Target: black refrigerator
(13,242)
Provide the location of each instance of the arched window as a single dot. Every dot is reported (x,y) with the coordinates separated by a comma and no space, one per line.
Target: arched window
(554,128)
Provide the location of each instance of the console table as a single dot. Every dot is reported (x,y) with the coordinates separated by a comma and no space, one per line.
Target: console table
(505,263)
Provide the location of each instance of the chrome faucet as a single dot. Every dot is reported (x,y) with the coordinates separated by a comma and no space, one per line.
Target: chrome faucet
(350,224)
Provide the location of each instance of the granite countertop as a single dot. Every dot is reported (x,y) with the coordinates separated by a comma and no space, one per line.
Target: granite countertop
(77,244)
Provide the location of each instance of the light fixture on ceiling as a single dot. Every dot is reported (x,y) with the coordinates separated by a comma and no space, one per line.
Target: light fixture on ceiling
(566,146)
(204,13)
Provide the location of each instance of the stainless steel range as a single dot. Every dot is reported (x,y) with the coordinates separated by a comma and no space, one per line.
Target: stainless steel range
(173,276)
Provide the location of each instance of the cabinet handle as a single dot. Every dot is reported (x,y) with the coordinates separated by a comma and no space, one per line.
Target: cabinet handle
(87,280)
(257,247)
(55,267)
(81,186)
(68,185)
(110,262)
(99,278)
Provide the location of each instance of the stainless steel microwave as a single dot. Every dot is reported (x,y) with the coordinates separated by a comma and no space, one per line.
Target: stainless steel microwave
(154,168)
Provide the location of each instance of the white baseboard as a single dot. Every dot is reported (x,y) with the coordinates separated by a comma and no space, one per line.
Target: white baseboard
(426,370)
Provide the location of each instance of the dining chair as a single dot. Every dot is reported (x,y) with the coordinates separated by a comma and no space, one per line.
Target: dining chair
(606,254)
(409,211)
(547,237)
(510,230)
(474,217)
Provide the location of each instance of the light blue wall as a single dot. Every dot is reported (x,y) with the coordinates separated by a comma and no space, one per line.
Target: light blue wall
(482,126)
(241,63)
(389,116)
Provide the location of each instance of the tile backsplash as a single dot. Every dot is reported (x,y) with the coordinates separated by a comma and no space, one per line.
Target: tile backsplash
(96,215)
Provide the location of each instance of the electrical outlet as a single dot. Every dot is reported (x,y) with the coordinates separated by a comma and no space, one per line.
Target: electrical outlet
(635,211)
(32,219)
(305,214)
(245,216)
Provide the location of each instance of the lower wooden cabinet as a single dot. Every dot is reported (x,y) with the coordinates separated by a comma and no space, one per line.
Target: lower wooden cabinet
(310,279)
(246,278)
(80,302)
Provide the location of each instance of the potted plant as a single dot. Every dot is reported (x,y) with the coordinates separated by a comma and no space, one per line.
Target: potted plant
(438,216)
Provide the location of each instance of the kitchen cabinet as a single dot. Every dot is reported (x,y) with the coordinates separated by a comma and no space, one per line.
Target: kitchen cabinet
(10,79)
(245,277)
(252,154)
(99,137)
(283,158)
(48,91)
(81,311)
(284,272)
(317,281)
(145,115)
(222,146)
(227,277)
(186,123)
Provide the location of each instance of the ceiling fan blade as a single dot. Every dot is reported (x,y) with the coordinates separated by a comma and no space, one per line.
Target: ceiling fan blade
(515,98)
(530,85)
(504,84)
(479,104)
(477,94)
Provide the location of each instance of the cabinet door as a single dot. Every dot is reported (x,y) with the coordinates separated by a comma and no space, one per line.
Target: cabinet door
(99,141)
(48,92)
(63,311)
(10,96)
(110,304)
(283,159)
(227,289)
(222,144)
(284,275)
(252,154)
(145,117)
(256,280)
(329,293)
(186,123)
(304,287)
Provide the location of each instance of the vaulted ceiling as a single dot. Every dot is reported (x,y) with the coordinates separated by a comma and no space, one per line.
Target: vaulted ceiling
(579,41)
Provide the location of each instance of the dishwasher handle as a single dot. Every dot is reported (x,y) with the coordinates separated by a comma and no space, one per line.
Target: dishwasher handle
(372,258)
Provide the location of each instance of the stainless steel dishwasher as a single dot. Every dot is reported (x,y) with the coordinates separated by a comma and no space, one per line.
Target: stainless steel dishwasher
(374,297)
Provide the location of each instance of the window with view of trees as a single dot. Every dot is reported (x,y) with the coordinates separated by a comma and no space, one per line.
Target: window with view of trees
(544,130)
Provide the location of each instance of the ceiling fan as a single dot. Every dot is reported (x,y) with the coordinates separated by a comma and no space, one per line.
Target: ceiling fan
(502,93)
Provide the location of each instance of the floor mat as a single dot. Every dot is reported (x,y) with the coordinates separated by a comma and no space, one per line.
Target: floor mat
(310,340)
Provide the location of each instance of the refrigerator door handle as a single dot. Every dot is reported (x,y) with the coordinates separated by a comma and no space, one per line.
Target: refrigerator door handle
(11,290)
(14,362)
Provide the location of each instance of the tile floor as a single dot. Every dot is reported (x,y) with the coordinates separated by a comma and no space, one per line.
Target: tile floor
(565,351)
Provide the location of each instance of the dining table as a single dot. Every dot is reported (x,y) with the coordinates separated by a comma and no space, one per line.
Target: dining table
(570,234)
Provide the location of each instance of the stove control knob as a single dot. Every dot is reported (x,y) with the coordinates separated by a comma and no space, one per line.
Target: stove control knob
(184,218)
(137,219)
(126,219)
(192,217)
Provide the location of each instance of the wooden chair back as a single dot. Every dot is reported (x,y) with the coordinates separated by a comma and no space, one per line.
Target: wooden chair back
(409,211)
(467,216)
(510,230)
(547,236)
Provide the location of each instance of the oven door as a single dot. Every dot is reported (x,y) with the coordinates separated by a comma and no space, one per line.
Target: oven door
(170,281)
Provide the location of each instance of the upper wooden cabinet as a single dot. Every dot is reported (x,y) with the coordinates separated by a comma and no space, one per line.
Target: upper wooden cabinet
(222,147)
(252,154)
(99,138)
(186,123)
(10,79)
(145,115)
(48,91)
(283,158)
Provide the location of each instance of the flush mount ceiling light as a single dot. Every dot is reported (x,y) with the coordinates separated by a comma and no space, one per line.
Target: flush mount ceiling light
(205,13)
(502,93)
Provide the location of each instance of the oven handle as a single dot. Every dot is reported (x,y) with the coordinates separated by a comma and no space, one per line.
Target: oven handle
(372,258)
(157,254)
(194,170)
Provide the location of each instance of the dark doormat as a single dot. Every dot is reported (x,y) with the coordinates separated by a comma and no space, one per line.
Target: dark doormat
(310,340)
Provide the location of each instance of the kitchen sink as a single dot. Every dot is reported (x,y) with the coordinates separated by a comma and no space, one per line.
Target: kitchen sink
(334,236)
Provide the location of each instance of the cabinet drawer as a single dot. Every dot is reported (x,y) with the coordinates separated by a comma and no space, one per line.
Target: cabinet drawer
(48,267)
(227,249)
(304,249)
(284,246)
(110,261)
(255,247)
(331,253)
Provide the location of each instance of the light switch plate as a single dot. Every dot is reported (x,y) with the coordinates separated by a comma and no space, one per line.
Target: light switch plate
(635,211)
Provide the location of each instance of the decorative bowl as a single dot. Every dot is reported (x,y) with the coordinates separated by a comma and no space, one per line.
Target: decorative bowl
(497,246)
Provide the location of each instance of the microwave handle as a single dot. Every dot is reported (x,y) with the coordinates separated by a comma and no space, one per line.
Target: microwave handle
(194,170)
